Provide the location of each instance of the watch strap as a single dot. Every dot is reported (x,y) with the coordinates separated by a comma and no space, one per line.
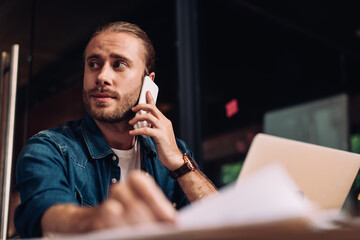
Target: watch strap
(189,165)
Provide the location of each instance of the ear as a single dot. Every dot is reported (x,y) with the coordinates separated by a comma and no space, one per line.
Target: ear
(152,76)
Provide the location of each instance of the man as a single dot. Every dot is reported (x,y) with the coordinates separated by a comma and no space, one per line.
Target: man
(80,177)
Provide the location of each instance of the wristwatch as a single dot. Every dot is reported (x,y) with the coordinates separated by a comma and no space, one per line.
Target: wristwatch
(189,165)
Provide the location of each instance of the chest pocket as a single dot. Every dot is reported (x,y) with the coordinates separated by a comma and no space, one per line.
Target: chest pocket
(87,184)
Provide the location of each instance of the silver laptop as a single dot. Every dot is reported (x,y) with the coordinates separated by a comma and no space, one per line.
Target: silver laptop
(324,175)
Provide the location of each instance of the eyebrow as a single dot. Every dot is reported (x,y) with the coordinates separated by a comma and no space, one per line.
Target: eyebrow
(92,56)
(112,55)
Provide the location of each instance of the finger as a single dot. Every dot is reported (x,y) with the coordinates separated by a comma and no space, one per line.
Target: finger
(121,193)
(149,101)
(144,117)
(109,214)
(147,108)
(149,98)
(146,188)
(144,131)
(135,209)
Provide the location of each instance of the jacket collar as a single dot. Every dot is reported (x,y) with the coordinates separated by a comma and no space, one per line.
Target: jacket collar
(99,148)
(94,140)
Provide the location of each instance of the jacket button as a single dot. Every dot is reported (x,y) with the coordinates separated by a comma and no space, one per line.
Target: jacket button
(114,158)
(113,180)
(174,204)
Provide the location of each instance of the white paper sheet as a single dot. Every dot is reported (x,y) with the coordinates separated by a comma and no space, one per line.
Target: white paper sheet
(267,195)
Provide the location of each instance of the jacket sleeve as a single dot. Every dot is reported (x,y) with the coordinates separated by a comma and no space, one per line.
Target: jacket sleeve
(41,179)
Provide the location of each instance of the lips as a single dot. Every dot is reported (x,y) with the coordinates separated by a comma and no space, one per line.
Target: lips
(102,97)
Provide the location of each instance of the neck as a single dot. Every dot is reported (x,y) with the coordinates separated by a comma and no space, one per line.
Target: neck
(117,134)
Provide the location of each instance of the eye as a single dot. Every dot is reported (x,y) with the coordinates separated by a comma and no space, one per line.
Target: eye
(119,64)
(93,64)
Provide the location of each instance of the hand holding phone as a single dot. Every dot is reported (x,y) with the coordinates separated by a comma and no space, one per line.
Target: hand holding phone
(148,85)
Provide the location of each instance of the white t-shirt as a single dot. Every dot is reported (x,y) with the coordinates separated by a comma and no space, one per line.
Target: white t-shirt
(129,160)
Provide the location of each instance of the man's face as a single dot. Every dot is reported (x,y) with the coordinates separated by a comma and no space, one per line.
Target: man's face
(114,68)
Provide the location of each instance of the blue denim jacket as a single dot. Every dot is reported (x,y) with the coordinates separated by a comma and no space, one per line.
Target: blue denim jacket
(74,164)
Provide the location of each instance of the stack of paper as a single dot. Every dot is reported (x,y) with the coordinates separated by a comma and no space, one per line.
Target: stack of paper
(268,196)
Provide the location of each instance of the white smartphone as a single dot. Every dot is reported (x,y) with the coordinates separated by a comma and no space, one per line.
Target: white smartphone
(148,85)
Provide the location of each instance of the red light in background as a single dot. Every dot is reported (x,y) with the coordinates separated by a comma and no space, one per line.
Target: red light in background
(231,108)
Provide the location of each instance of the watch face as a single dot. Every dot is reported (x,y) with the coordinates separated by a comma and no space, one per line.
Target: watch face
(190,165)
(188,162)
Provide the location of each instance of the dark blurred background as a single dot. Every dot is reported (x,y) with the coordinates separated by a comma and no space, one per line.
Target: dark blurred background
(255,55)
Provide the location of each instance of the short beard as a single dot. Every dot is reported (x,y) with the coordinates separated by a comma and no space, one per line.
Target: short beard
(123,111)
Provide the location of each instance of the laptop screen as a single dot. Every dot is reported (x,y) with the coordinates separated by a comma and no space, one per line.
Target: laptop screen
(323,174)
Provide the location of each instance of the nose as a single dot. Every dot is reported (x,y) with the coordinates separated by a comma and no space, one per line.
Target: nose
(105,76)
